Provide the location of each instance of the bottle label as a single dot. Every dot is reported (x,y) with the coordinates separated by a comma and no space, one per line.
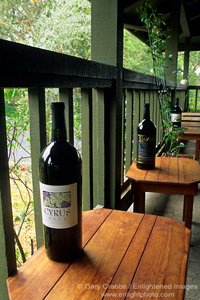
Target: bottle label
(146,148)
(176,117)
(59,205)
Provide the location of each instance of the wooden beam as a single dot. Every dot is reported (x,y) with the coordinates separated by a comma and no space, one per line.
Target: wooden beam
(135,27)
(184,22)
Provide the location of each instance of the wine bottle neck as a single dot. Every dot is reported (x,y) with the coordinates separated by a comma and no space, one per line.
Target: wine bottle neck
(58,122)
(146,112)
(177,101)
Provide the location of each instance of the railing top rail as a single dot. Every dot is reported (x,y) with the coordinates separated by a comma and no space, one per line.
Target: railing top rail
(194,87)
(143,81)
(26,66)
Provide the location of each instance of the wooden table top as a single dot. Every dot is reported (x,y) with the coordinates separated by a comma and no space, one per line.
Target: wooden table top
(191,133)
(191,119)
(168,170)
(191,114)
(124,255)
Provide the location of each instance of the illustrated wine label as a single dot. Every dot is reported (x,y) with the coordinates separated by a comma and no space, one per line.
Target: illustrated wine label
(176,117)
(146,148)
(59,205)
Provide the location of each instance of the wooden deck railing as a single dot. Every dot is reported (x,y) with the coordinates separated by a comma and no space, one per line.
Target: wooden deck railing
(193,98)
(112,103)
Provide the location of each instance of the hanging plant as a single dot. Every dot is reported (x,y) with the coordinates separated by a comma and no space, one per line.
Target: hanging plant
(158,34)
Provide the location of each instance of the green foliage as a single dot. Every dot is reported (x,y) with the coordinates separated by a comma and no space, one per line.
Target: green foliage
(194,72)
(158,36)
(17,118)
(65,27)
(17,121)
(18,16)
(136,56)
(61,26)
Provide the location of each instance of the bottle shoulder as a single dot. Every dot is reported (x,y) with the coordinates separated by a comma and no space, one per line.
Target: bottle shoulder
(177,110)
(60,151)
(146,125)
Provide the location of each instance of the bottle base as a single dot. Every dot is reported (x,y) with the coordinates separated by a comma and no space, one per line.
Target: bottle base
(64,258)
(145,167)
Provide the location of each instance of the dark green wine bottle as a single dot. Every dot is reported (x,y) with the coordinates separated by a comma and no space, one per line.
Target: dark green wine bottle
(176,114)
(146,142)
(61,192)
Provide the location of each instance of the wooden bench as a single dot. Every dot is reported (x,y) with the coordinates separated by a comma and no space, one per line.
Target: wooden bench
(191,123)
(125,255)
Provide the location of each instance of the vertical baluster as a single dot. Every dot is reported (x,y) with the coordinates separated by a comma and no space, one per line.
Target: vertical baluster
(38,142)
(113,139)
(196,97)
(147,98)
(155,103)
(7,246)
(142,101)
(86,125)
(123,148)
(158,118)
(66,96)
(129,128)
(181,96)
(136,120)
(98,147)
(151,106)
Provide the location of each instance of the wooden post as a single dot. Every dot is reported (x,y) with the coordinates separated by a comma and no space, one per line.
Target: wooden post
(7,245)
(107,47)
(38,143)
(104,36)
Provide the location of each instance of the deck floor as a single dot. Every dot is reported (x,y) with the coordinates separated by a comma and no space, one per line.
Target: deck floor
(172,206)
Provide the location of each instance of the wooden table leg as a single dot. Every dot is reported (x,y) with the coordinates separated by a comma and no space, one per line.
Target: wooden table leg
(139,202)
(188,210)
(184,203)
(197,150)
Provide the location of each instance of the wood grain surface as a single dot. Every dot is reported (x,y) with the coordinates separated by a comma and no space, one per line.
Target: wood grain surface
(167,170)
(125,254)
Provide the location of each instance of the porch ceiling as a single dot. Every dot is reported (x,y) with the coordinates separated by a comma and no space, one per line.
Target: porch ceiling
(189,25)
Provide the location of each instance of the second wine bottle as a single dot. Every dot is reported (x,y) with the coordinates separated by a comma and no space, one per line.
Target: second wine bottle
(146,142)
